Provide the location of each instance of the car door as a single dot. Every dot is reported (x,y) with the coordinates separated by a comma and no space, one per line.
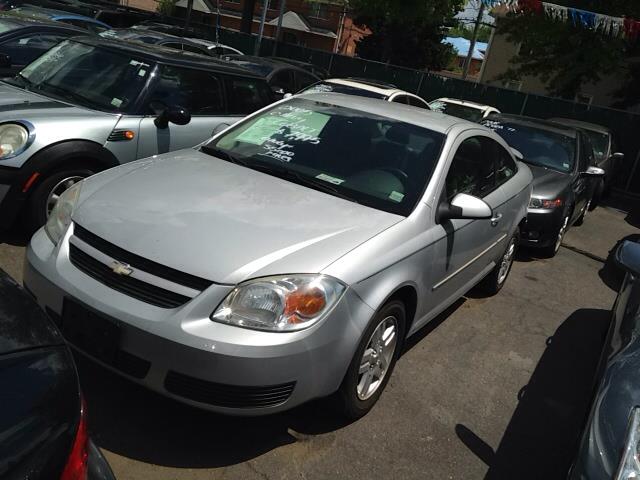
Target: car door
(581,184)
(198,91)
(466,249)
(26,47)
(283,82)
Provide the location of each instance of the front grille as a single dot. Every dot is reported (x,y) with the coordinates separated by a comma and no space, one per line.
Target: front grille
(231,396)
(140,263)
(129,286)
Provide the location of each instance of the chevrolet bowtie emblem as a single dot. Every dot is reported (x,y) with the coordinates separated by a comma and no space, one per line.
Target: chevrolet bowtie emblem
(121,269)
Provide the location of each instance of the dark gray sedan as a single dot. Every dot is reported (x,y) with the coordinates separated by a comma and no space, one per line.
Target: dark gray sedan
(610,445)
(564,176)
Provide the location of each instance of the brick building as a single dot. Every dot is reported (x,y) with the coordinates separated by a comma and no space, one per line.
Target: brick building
(320,24)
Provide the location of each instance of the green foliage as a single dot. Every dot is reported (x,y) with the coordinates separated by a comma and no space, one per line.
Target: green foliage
(563,55)
(408,32)
(166,7)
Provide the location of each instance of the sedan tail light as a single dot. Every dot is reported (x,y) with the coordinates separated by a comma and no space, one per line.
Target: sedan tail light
(76,467)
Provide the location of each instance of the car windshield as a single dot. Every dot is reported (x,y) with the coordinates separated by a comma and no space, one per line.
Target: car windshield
(86,75)
(385,164)
(538,146)
(457,110)
(330,87)
(600,142)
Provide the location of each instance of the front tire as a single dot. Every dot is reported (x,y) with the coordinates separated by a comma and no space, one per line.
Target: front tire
(552,250)
(45,195)
(494,282)
(373,362)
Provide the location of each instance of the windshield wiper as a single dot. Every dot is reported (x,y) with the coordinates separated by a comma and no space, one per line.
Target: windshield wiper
(68,95)
(223,154)
(19,80)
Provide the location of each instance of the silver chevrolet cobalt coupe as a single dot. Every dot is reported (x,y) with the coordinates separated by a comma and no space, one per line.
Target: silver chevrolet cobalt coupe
(288,258)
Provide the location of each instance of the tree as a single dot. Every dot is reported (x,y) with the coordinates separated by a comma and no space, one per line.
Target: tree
(567,56)
(408,32)
(463,30)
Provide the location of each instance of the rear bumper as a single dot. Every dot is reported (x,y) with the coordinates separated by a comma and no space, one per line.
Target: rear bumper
(541,228)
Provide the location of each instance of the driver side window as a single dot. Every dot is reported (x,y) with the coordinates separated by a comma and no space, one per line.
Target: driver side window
(198,91)
(471,171)
(283,80)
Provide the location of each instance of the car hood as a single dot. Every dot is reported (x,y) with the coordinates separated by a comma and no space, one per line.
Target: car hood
(220,221)
(17,103)
(548,183)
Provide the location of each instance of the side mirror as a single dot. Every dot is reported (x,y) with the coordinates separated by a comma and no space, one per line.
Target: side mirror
(278,92)
(618,156)
(628,257)
(177,115)
(5,60)
(220,128)
(464,206)
(594,172)
(288,95)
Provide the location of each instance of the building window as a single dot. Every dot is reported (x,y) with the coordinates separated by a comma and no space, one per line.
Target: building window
(319,10)
(513,85)
(274,5)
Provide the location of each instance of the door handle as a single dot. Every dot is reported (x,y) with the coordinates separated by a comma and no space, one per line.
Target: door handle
(495,219)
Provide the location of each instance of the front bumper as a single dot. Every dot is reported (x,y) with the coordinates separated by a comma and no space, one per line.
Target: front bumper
(542,227)
(181,353)
(11,196)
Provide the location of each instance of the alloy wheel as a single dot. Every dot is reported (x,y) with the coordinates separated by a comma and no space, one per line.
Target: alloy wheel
(60,187)
(507,261)
(377,357)
(561,233)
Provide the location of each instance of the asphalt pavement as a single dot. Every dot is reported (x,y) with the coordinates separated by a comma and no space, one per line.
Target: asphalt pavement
(494,388)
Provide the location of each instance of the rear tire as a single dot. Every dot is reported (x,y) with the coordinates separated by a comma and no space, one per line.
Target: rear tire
(373,362)
(494,282)
(44,196)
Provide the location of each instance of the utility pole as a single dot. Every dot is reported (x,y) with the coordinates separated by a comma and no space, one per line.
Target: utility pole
(336,45)
(472,45)
(265,7)
(279,29)
(188,18)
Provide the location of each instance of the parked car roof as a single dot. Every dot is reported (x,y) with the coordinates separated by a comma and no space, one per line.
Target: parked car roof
(55,15)
(211,45)
(147,36)
(308,66)
(435,121)
(534,122)
(260,65)
(27,21)
(466,103)
(158,53)
(570,122)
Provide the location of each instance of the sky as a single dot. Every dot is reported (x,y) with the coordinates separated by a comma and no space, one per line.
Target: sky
(471,12)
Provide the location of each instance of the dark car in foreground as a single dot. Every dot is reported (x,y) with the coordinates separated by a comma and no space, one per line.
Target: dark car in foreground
(610,444)
(43,424)
(23,39)
(564,176)
(605,148)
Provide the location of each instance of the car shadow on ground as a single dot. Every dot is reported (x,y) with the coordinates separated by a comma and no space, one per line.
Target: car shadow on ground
(611,274)
(16,236)
(129,420)
(542,436)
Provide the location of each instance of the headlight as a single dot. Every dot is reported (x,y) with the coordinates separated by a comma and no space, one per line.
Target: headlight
(630,463)
(13,138)
(280,304)
(60,217)
(546,204)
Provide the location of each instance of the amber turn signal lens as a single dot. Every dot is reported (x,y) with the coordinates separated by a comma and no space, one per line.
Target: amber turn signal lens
(305,303)
(129,135)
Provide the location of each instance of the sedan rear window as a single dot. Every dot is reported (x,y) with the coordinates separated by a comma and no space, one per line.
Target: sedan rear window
(457,110)
(385,163)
